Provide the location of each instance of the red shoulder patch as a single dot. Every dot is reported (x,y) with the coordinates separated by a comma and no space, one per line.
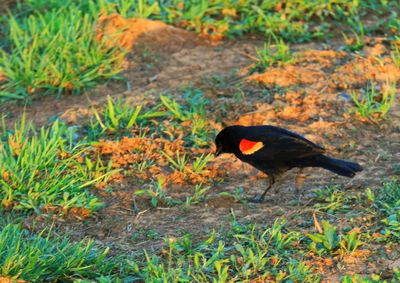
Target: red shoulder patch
(249,147)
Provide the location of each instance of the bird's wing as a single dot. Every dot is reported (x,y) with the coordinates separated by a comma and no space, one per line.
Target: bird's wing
(271,143)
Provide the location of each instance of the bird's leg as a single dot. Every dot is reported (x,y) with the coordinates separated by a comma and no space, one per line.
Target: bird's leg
(271,181)
(299,184)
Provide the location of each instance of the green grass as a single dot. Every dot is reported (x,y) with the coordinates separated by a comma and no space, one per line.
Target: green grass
(116,118)
(288,19)
(332,199)
(120,118)
(356,41)
(40,169)
(329,241)
(277,54)
(395,54)
(374,104)
(50,46)
(54,52)
(39,258)
(375,278)
(157,194)
(245,253)
(387,202)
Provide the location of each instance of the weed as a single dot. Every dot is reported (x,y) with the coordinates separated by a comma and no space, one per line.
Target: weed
(331,243)
(156,193)
(119,118)
(350,242)
(374,105)
(198,196)
(333,198)
(152,234)
(238,194)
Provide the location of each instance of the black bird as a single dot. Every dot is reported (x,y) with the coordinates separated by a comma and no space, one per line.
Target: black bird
(274,151)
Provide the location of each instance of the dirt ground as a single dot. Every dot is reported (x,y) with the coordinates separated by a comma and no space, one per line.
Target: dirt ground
(310,97)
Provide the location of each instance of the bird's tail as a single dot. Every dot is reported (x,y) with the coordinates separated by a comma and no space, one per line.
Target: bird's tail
(341,167)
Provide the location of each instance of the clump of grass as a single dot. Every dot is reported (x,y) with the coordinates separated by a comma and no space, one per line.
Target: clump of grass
(119,118)
(200,163)
(357,41)
(177,162)
(329,241)
(40,168)
(374,105)
(332,199)
(199,195)
(192,113)
(54,51)
(35,258)
(276,54)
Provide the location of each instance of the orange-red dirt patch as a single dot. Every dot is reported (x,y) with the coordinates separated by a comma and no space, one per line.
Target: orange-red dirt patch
(288,76)
(360,70)
(117,32)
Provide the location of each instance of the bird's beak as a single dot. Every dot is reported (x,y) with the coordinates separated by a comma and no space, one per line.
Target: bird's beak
(219,151)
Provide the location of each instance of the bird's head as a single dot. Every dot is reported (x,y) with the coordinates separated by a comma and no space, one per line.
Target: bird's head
(226,140)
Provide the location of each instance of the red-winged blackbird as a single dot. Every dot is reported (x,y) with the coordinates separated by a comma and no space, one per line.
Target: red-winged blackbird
(274,151)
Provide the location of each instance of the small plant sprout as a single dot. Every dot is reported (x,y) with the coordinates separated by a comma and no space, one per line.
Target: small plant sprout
(179,162)
(157,193)
(238,194)
(198,196)
(357,41)
(200,163)
(350,242)
(116,116)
